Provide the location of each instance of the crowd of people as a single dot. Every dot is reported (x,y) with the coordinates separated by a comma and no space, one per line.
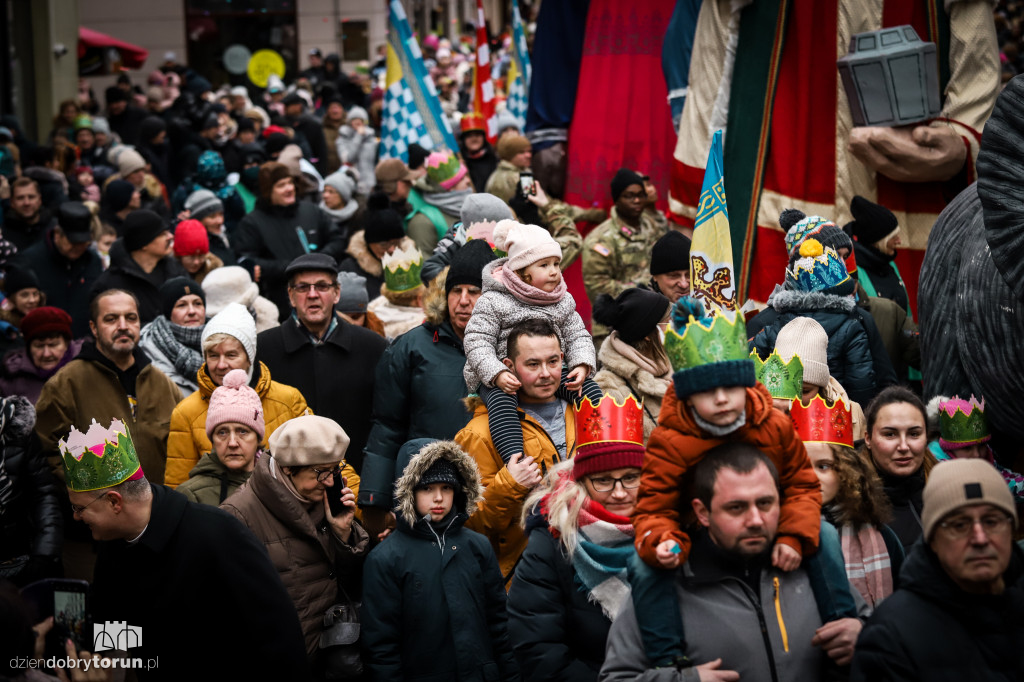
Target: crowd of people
(337,417)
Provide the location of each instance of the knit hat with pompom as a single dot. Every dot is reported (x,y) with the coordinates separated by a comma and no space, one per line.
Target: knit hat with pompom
(524,244)
(234,401)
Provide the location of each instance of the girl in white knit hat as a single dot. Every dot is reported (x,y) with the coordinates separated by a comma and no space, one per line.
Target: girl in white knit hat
(527,284)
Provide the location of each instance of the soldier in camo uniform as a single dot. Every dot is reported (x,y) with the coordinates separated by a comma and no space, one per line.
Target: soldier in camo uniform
(617,253)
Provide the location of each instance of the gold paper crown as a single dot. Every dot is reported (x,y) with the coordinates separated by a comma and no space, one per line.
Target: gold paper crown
(402,269)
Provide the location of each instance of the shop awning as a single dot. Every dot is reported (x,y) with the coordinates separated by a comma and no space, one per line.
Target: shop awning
(100,54)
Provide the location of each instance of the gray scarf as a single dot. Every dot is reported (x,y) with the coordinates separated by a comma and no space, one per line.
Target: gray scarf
(448,202)
(180,345)
(342,214)
(719,431)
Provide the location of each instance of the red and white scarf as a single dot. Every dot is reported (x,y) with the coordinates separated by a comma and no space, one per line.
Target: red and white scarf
(867,562)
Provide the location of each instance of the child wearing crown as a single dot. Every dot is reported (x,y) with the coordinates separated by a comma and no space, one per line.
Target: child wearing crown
(524,285)
(716,398)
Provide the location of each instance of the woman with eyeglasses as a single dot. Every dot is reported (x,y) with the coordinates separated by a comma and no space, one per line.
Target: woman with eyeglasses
(571,581)
(314,542)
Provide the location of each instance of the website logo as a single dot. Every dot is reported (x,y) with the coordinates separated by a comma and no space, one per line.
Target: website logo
(115,635)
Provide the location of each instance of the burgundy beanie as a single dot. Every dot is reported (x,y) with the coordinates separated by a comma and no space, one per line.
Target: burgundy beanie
(593,458)
(190,238)
(234,401)
(45,320)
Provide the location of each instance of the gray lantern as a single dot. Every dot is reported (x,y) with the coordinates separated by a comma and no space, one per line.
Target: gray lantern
(891,78)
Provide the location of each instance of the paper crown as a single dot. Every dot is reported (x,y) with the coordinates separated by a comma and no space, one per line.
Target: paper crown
(783,379)
(705,340)
(817,269)
(100,457)
(402,269)
(610,422)
(818,423)
(962,423)
(444,168)
(804,229)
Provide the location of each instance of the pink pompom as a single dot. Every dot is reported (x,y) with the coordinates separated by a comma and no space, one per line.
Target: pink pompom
(236,378)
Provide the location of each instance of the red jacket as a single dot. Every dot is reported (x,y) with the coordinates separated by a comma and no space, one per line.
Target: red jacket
(677,444)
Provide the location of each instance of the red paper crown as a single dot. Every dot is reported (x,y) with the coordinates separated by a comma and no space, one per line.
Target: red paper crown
(819,423)
(610,422)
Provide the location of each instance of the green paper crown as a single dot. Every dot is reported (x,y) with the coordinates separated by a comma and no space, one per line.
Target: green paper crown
(783,379)
(723,340)
(962,423)
(442,166)
(99,458)
(402,269)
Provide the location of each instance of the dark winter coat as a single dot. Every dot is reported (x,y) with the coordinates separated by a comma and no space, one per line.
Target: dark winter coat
(67,284)
(125,273)
(335,377)
(18,376)
(930,629)
(850,359)
(897,330)
(128,124)
(24,235)
(481,167)
(417,393)
(30,518)
(310,558)
(199,576)
(906,496)
(877,267)
(558,632)
(268,237)
(435,607)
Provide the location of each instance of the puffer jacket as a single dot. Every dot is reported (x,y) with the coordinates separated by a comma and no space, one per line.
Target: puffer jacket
(435,608)
(850,359)
(497,311)
(311,559)
(188,439)
(621,377)
(210,482)
(678,444)
(417,393)
(18,376)
(497,515)
(931,629)
(30,518)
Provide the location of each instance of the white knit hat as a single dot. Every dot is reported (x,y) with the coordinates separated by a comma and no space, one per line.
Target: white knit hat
(524,244)
(129,161)
(808,340)
(237,322)
(229,284)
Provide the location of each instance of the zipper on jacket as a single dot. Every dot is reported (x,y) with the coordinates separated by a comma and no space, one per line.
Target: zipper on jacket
(778,614)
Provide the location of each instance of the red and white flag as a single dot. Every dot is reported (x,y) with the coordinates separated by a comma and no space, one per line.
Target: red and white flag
(483,86)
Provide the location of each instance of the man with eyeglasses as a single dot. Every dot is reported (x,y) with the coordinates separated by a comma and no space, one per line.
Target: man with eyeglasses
(959,611)
(331,361)
(617,253)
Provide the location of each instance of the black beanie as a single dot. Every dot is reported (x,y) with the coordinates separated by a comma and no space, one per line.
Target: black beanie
(634,314)
(670,253)
(468,264)
(441,471)
(625,177)
(871,222)
(115,94)
(417,155)
(141,227)
(118,194)
(17,279)
(276,142)
(150,127)
(176,287)
(383,223)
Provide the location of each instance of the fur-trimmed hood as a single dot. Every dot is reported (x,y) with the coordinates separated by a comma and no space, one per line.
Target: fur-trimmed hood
(472,490)
(435,301)
(18,418)
(785,301)
(360,250)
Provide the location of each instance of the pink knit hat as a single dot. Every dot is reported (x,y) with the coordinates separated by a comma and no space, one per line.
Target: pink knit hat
(524,244)
(234,401)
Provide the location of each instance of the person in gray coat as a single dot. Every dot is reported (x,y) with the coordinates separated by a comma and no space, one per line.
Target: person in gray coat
(357,147)
(745,619)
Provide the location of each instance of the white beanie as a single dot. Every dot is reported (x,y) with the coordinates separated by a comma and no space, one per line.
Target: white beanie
(524,244)
(808,340)
(342,183)
(229,284)
(237,322)
(360,113)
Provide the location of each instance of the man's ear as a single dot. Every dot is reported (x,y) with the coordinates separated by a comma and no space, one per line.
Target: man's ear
(116,501)
(92,328)
(511,365)
(702,512)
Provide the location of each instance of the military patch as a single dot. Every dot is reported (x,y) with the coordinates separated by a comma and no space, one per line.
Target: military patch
(602,249)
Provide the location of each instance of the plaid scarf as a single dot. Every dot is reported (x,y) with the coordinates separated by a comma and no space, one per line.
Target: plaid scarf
(600,560)
(180,345)
(867,562)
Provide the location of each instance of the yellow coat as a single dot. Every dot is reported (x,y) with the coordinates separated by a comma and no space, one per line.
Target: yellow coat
(497,514)
(188,441)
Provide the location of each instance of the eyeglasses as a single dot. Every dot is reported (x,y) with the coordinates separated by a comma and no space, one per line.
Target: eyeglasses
(322,474)
(321,287)
(606,484)
(962,526)
(78,508)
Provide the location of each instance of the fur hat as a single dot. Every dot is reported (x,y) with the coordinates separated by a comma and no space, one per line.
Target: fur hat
(236,322)
(234,401)
(308,440)
(957,483)
(524,244)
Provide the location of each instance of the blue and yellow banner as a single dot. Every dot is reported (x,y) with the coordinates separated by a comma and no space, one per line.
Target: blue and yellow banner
(712,275)
(520,71)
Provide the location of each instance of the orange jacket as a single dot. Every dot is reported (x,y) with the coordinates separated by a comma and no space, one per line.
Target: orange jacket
(677,444)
